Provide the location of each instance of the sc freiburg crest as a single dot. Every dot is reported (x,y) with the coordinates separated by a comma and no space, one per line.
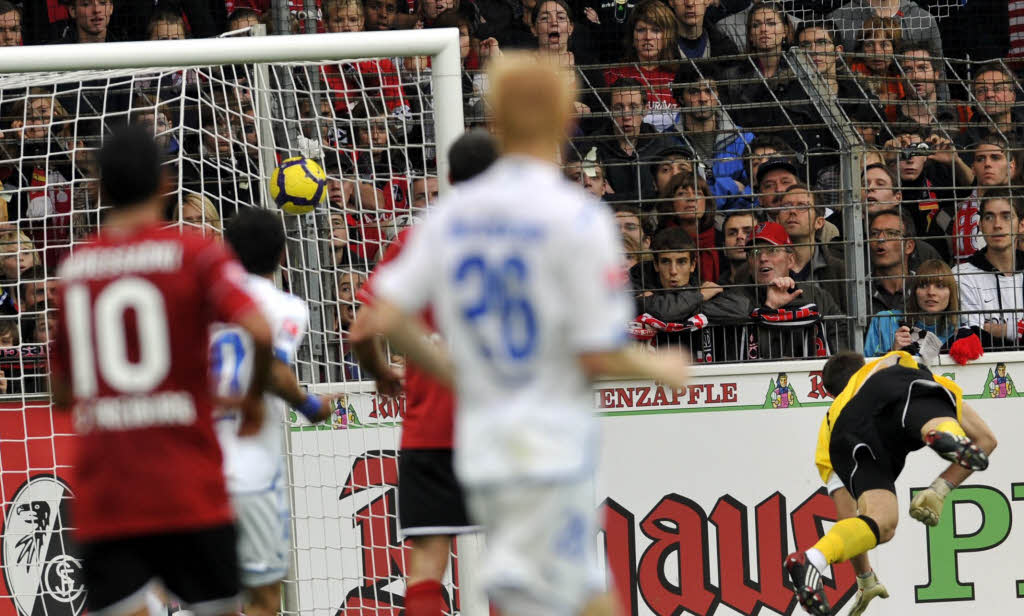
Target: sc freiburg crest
(40,563)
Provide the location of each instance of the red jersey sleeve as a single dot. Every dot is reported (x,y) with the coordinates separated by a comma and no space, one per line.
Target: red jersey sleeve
(223,280)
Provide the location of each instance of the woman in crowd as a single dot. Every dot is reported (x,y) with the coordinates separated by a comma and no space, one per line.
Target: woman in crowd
(877,43)
(199,213)
(651,48)
(553,26)
(686,202)
(769,33)
(932,310)
(18,254)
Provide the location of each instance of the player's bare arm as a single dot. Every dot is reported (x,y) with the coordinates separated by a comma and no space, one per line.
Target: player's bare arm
(666,366)
(285,385)
(262,354)
(408,334)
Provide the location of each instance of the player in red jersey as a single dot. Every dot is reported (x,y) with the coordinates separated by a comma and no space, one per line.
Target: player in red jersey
(131,360)
(431,505)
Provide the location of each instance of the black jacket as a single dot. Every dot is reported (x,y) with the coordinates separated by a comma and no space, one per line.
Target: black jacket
(625,172)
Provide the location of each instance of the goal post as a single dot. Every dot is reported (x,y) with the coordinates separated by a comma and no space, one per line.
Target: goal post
(441,44)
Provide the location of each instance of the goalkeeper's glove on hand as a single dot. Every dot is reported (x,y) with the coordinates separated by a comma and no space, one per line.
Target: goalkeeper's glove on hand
(868,587)
(927,505)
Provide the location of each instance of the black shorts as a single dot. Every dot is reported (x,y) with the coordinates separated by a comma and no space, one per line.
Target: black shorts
(430,499)
(199,568)
(880,426)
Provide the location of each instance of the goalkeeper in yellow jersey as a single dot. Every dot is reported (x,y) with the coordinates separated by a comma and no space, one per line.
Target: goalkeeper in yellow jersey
(882,411)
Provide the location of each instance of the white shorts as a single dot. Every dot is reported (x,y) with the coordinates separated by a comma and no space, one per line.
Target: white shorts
(264,536)
(540,557)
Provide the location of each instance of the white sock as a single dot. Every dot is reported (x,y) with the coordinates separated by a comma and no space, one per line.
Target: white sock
(816,558)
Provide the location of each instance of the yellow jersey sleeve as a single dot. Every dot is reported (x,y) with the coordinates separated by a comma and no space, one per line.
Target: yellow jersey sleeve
(821,458)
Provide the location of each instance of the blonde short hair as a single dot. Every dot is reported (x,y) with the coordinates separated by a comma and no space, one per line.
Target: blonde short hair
(210,214)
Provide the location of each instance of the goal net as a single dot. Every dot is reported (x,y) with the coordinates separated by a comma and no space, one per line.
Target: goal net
(376,127)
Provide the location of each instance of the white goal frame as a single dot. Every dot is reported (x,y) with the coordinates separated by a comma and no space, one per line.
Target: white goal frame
(441,44)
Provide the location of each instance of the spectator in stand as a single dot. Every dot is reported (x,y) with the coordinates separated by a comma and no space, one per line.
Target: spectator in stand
(159,119)
(10,336)
(242,18)
(769,32)
(165,25)
(737,228)
(18,255)
(627,138)
(428,10)
(349,82)
(877,43)
(675,158)
(881,194)
(380,15)
(686,202)
(37,291)
(704,127)
(916,23)
(891,246)
(995,90)
(215,174)
(818,39)
(992,280)
(680,295)
(921,102)
(798,212)
(45,327)
(10,25)
(772,178)
(554,29)
(343,241)
(881,189)
(932,308)
(992,165)
(199,213)
(635,239)
(90,22)
(698,36)
(653,51)
(925,179)
(588,171)
(786,314)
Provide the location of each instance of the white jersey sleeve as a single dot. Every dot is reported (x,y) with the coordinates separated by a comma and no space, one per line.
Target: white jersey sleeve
(596,281)
(254,463)
(410,279)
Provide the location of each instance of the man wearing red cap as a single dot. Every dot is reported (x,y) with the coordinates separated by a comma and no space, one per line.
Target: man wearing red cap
(787,316)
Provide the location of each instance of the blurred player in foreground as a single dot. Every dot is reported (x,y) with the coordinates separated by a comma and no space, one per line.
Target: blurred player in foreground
(431,505)
(138,301)
(882,411)
(254,465)
(524,274)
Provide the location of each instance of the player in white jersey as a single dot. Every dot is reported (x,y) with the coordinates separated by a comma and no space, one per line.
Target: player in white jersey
(525,277)
(254,465)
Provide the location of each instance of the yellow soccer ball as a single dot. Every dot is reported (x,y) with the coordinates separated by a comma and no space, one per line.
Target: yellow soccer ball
(298,185)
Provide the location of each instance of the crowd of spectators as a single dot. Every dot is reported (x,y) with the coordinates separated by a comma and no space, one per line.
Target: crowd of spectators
(718,131)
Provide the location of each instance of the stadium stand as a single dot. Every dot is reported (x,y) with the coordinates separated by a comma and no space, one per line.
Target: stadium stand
(899,129)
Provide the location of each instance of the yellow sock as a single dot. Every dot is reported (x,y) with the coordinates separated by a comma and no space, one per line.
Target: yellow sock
(952,427)
(846,539)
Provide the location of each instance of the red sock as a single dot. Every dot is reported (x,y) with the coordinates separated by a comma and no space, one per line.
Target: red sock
(424,599)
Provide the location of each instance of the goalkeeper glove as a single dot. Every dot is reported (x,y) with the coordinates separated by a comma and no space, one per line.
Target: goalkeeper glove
(927,505)
(868,587)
